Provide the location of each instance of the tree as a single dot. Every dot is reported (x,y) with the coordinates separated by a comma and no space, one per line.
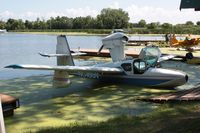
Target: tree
(142,23)
(13,24)
(28,24)
(59,23)
(189,23)
(166,26)
(88,22)
(198,23)
(153,25)
(2,24)
(113,18)
(78,23)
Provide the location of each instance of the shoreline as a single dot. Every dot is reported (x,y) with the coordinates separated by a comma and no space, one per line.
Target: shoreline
(91,34)
(77,33)
(60,33)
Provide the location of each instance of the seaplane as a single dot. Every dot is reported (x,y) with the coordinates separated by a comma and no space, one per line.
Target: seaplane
(141,71)
(3,31)
(188,43)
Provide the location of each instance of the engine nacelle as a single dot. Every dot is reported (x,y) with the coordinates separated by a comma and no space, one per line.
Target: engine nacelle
(115,44)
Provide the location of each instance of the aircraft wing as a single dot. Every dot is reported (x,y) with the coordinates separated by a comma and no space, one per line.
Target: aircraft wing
(68,68)
(61,55)
(166,57)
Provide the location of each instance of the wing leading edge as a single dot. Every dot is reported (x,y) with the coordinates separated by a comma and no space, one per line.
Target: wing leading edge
(60,55)
(166,57)
(68,68)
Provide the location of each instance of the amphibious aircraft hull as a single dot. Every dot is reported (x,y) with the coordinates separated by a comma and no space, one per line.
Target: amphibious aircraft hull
(161,78)
(145,81)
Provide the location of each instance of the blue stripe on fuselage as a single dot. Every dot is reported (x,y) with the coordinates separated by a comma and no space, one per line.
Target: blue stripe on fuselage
(124,79)
(135,81)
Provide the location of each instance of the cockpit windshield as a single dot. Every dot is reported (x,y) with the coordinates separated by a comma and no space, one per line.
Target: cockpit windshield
(150,54)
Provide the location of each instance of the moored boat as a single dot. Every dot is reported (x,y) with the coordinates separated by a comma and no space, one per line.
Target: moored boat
(3,30)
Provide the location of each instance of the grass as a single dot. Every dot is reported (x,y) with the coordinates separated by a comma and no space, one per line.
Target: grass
(176,118)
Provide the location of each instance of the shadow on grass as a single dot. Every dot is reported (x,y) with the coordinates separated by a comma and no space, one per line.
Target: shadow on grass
(168,118)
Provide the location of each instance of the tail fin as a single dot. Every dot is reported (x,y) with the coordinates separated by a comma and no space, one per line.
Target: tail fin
(173,40)
(62,47)
(61,78)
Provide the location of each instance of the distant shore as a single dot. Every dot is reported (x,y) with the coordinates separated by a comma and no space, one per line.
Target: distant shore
(62,33)
(66,31)
(83,33)
(76,33)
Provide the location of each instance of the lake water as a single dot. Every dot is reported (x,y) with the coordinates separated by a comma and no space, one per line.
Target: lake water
(24,48)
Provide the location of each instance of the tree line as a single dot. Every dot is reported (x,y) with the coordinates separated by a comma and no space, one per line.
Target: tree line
(107,20)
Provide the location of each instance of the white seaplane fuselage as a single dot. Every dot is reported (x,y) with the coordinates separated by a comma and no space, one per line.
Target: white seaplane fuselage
(150,77)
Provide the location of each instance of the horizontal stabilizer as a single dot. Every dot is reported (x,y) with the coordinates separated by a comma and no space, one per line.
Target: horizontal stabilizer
(60,55)
(78,54)
(68,68)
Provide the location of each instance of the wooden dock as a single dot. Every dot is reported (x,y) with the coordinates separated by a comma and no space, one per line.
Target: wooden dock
(9,103)
(105,53)
(184,95)
(144,42)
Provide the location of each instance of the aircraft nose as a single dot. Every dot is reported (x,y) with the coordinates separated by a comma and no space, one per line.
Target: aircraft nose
(180,78)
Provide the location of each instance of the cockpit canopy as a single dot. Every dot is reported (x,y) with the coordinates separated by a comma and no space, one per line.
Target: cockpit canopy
(148,57)
(150,54)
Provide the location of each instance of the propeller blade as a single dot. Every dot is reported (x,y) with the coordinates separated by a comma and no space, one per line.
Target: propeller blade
(100,50)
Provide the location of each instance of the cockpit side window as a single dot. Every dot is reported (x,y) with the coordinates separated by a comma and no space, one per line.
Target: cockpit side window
(139,66)
(126,66)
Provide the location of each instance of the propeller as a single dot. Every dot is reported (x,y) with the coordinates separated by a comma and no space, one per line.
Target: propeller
(100,49)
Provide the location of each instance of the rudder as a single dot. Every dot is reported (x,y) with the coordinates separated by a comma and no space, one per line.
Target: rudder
(62,47)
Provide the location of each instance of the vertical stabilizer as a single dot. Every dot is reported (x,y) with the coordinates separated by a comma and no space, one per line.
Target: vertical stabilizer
(61,78)
(62,47)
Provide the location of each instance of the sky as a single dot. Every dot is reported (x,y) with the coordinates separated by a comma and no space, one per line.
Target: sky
(150,10)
